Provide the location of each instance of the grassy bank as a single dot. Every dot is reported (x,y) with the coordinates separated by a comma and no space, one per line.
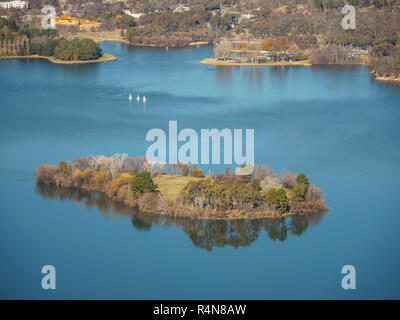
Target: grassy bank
(171,185)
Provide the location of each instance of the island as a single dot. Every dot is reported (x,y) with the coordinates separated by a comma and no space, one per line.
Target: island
(182,190)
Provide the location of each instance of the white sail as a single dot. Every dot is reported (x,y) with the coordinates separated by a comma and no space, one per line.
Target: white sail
(144,99)
(137,98)
(130,97)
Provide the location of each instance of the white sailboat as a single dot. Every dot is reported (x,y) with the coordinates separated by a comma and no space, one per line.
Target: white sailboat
(137,98)
(144,99)
(130,97)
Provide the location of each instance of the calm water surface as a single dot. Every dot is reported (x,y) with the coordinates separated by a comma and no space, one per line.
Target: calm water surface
(335,124)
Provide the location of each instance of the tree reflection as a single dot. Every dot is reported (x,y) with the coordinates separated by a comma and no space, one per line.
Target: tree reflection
(206,234)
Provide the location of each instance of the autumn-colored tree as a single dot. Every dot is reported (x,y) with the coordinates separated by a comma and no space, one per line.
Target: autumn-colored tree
(267,44)
(280,44)
(244,46)
(64,168)
(197,173)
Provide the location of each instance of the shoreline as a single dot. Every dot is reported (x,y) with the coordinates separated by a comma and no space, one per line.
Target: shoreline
(386,79)
(192,212)
(189,196)
(304,63)
(104,58)
(215,62)
(114,36)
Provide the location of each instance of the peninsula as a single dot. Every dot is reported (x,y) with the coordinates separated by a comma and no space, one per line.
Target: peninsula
(105,57)
(182,190)
(26,42)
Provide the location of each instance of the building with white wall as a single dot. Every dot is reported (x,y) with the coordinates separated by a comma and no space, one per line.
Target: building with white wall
(15,4)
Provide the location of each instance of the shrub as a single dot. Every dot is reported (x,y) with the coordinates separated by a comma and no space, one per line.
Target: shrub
(116,184)
(299,57)
(298,192)
(197,173)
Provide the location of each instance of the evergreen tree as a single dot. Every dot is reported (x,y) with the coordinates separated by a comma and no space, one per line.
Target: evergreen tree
(143,182)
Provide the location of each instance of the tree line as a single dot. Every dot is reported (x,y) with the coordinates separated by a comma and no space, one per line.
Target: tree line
(24,41)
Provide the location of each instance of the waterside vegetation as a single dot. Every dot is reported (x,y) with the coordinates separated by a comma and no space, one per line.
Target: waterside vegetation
(44,43)
(182,190)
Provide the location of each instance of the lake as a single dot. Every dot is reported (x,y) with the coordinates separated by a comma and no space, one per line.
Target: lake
(335,123)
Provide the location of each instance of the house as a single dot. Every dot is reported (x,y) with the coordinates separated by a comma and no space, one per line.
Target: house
(87,25)
(247,16)
(357,52)
(68,21)
(15,4)
(82,24)
(133,14)
(181,9)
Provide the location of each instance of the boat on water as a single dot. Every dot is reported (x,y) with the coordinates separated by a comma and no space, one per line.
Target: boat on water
(137,98)
(144,99)
(130,97)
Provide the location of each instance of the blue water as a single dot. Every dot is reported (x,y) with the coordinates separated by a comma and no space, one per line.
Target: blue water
(336,124)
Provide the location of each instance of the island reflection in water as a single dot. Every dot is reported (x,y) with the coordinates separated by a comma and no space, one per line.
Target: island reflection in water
(205,234)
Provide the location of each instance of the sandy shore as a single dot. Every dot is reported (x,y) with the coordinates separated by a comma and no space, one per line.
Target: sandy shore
(199,43)
(106,57)
(215,62)
(392,79)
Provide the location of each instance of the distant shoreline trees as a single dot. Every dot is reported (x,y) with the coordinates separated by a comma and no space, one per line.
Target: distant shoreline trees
(66,50)
(25,41)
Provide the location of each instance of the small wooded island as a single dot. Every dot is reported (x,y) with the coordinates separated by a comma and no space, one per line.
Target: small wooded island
(182,190)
